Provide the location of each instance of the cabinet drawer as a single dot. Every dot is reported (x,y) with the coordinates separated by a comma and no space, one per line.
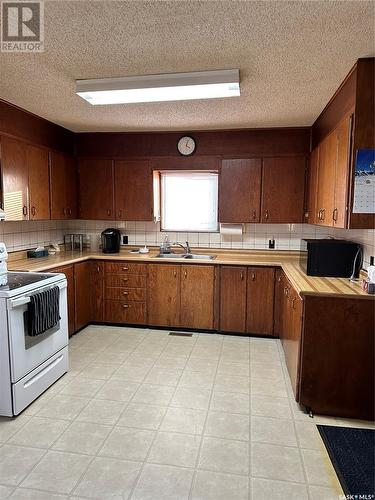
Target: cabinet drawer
(125,268)
(128,281)
(117,311)
(128,294)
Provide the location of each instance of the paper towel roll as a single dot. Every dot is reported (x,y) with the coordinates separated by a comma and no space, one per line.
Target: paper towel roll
(231,229)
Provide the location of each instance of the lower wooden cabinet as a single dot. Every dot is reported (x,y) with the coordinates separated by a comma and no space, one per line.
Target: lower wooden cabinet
(233,299)
(181,296)
(125,293)
(97,290)
(197,297)
(260,300)
(83,294)
(247,299)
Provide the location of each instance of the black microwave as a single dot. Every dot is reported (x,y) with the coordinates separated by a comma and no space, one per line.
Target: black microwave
(331,258)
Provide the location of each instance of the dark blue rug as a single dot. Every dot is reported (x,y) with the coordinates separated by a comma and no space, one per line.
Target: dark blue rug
(352,452)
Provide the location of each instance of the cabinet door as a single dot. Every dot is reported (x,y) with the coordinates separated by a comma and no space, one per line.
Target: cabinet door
(279,292)
(283,190)
(343,134)
(97,290)
(163,294)
(260,300)
(69,273)
(38,169)
(134,190)
(96,189)
(197,296)
(14,179)
(326,179)
(71,188)
(239,199)
(58,186)
(82,294)
(313,187)
(294,340)
(233,299)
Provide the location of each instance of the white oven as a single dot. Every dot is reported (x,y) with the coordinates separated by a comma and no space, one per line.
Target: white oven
(29,364)
(26,353)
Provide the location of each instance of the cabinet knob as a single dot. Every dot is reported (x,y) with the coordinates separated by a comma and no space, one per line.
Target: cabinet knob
(64,211)
(185,273)
(266,215)
(293,302)
(279,279)
(69,211)
(109,211)
(334,215)
(254,214)
(175,273)
(119,213)
(323,213)
(253,276)
(241,275)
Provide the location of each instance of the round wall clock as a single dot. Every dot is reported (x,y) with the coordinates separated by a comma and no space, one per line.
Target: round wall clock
(186,145)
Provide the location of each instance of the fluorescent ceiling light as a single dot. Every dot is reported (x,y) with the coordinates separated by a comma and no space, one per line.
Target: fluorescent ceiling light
(157,88)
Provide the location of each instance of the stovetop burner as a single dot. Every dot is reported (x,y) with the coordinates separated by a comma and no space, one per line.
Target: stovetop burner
(18,280)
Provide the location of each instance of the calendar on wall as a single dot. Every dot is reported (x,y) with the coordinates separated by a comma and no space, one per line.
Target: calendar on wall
(364,182)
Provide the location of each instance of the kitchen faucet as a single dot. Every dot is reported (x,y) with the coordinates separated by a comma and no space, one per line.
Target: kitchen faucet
(186,248)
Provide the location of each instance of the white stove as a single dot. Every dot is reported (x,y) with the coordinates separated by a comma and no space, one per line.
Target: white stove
(29,364)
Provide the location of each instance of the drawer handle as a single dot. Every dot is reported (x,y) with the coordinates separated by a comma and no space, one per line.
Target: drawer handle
(266,214)
(185,274)
(293,301)
(254,214)
(64,211)
(125,293)
(24,210)
(33,210)
(334,215)
(241,275)
(125,269)
(125,279)
(126,306)
(323,213)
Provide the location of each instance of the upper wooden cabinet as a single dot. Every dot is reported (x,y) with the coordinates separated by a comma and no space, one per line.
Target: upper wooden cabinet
(25,180)
(39,189)
(96,189)
(14,179)
(134,190)
(239,198)
(63,191)
(312,201)
(283,190)
(329,178)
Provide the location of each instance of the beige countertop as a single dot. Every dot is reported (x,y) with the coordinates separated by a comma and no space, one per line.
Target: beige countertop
(287,260)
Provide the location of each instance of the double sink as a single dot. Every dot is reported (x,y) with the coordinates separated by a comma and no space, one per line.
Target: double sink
(185,256)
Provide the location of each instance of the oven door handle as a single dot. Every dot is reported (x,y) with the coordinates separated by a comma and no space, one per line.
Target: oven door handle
(18,302)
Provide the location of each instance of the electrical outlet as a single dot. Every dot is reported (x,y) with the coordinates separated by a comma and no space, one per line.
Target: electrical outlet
(271,243)
(371,260)
(124,239)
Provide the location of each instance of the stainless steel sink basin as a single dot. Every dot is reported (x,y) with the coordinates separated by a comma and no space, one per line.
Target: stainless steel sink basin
(188,256)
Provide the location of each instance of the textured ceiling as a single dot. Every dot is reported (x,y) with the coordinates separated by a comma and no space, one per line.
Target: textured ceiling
(292,56)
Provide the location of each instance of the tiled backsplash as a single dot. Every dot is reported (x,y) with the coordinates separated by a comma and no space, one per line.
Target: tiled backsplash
(29,234)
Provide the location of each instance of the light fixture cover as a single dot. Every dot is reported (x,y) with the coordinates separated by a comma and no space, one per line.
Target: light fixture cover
(157,88)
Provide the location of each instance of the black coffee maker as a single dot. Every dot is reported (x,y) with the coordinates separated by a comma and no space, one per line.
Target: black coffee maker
(111,240)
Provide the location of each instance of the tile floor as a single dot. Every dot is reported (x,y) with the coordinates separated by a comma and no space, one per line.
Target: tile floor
(148,416)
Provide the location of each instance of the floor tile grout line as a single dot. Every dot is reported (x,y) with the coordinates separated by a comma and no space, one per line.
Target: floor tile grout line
(197,460)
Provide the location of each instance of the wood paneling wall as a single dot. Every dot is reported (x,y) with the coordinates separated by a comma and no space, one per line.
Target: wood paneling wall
(223,143)
(23,125)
